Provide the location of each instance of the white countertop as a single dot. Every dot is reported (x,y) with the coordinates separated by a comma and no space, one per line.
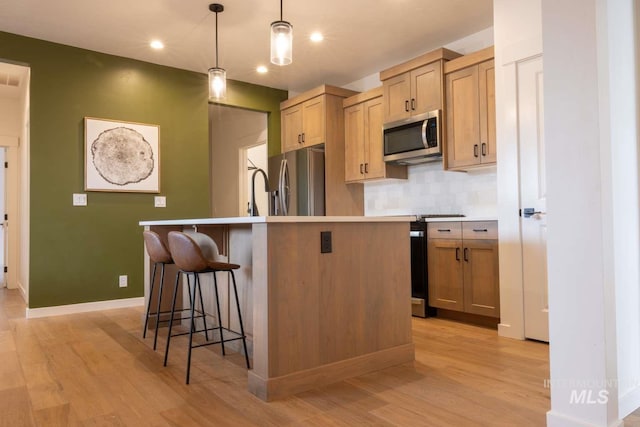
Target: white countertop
(277,219)
(461,218)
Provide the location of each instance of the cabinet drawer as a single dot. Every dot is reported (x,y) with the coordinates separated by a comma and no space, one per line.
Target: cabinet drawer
(480,230)
(444,230)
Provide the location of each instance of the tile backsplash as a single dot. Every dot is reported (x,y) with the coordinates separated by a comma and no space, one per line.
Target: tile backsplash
(430,190)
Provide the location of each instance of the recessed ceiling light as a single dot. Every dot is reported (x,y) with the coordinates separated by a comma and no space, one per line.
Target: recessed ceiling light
(316,37)
(262,69)
(156,44)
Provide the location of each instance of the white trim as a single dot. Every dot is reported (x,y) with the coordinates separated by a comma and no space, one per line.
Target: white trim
(556,419)
(23,292)
(59,310)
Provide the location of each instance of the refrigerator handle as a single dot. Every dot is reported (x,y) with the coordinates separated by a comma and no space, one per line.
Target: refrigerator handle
(283,187)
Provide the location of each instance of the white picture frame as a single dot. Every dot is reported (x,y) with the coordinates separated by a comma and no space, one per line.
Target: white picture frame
(121,156)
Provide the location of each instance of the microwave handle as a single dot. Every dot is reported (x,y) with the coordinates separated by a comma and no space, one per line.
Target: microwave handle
(424,133)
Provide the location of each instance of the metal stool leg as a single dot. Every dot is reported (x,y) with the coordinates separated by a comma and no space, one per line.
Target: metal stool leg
(193,306)
(173,309)
(204,314)
(160,288)
(146,316)
(244,338)
(215,287)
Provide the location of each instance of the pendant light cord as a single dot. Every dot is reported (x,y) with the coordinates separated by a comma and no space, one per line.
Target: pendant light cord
(217,39)
(281,10)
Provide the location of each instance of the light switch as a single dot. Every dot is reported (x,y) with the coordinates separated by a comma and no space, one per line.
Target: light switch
(160,201)
(79,199)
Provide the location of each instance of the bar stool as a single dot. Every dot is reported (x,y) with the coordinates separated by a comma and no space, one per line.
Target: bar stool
(158,255)
(189,258)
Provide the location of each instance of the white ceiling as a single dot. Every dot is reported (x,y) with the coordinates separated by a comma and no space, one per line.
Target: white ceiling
(362,37)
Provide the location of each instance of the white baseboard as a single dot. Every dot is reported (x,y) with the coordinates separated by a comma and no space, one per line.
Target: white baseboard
(555,419)
(59,310)
(23,292)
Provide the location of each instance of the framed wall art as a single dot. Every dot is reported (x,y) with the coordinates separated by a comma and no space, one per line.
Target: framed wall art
(121,156)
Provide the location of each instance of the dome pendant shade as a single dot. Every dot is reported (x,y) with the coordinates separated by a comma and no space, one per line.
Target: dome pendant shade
(217,84)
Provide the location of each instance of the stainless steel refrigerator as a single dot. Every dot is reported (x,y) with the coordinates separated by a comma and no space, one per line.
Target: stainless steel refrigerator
(296,181)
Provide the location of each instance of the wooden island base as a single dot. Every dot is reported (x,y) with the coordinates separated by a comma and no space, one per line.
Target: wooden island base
(316,318)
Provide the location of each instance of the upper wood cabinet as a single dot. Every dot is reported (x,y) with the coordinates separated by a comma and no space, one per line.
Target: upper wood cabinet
(363,139)
(414,87)
(303,125)
(317,117)
(470,111)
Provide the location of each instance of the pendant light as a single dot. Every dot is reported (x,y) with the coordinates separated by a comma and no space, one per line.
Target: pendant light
(281,41)
(217,75)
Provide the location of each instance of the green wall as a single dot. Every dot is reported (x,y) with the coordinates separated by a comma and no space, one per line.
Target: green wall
(77,253)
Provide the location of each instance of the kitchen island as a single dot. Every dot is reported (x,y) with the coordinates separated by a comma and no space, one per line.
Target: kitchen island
(314,317)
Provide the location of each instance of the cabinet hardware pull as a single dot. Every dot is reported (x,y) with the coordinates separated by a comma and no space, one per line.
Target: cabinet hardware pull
(302,136)
(475,150)
(484,148)
(466,254)
(480,230)
(413,103)
(299,138)
(361,173)
(366,168)
(444,230)
(406,105)
(457,254)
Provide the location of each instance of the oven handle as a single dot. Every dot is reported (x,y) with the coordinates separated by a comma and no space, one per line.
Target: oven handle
(416,234)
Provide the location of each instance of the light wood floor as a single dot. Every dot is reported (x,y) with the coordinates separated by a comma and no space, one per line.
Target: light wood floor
(96,370)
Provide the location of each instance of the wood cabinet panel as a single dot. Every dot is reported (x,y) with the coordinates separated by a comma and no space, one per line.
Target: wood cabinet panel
(426,88)
(313,121)
(291,120)
(463,118)
(444,266)
(354,132)
(470,116)
(481,290)
(487,86)
(397,91)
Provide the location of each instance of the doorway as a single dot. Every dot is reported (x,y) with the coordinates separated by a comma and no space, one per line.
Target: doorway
(14,145)
(236,136)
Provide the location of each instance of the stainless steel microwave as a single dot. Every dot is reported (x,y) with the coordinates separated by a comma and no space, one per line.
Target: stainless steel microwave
(413,140)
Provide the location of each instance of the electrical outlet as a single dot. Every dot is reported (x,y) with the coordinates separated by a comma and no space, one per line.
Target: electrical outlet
(122,281)
(325,242)
(79,199)
(160,201)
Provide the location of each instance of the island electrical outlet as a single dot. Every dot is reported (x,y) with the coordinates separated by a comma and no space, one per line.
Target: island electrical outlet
(325,242)
(122,281)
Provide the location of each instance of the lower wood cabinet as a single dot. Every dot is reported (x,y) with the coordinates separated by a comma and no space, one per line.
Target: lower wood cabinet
(462,262)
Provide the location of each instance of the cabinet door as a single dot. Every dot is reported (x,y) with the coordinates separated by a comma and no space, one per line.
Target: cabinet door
(374,166)
(354,135)
(396,93)
(463,118)
(481,283)
(487,93)
(291,128)
(313,121)
(444,266)
(426,88)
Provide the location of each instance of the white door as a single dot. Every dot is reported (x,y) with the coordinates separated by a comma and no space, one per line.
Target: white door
(533,196)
